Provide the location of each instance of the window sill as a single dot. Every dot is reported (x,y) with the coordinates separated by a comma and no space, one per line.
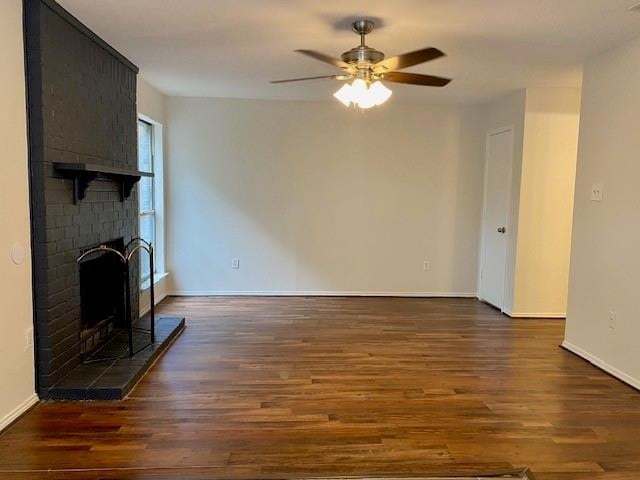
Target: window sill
(157,278)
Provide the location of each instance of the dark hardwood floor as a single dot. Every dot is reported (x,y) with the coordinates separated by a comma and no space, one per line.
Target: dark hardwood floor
(260,387)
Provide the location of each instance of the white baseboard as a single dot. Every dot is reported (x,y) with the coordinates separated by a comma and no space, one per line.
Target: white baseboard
(601,364)
(19,410)
(535,315)
(316,293)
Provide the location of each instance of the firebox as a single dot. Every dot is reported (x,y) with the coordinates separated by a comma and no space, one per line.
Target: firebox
(102,300)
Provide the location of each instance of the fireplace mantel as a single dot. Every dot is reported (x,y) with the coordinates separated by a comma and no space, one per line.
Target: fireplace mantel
(83,174)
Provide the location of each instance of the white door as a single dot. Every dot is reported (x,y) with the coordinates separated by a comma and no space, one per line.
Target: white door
(499,154)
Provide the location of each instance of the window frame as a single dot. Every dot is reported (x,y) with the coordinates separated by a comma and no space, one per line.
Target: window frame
(153,183)
(157,200)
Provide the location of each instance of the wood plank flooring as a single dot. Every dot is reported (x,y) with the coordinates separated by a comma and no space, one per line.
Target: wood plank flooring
(264,387)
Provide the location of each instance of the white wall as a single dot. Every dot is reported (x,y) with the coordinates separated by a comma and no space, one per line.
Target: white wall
(546,202)
(605,260)
(16,357)
(151,102)
(312,197)
(151,105)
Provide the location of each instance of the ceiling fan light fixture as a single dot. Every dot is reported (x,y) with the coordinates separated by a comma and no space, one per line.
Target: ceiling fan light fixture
(362,95)
(368,65)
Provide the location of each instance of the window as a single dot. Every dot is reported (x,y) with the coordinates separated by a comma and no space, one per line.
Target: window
(147,193)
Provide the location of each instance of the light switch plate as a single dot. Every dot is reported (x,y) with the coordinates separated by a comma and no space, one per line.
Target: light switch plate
(18,253)
(596,192)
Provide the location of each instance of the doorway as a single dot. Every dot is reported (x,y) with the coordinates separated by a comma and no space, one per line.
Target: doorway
(495,228)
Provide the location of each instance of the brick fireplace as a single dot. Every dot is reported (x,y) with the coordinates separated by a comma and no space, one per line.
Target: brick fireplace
(82,110)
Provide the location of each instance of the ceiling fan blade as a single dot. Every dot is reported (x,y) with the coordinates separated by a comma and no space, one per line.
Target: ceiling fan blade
(409,59)
(324,58)
(306,78)
(415,79)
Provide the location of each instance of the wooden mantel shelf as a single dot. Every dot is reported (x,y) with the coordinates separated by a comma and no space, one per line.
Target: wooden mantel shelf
(84,173)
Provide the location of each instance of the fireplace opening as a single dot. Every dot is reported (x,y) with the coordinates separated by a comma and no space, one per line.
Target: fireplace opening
(102,304)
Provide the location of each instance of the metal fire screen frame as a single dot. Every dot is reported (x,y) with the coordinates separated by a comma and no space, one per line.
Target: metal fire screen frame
(135,245)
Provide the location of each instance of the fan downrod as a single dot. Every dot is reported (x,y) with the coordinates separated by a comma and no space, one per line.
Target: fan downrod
(362,57)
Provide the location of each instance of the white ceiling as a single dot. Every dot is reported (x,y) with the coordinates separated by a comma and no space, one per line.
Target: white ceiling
(232,48)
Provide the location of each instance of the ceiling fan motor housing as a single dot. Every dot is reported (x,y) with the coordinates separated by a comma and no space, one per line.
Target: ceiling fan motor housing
(362,55)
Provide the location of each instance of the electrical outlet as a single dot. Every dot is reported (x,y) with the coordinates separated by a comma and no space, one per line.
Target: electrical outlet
(426,266)
(235,263)
(28,338)
(596,192)
(613,320)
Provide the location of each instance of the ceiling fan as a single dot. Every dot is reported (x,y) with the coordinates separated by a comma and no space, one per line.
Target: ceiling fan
(368,66)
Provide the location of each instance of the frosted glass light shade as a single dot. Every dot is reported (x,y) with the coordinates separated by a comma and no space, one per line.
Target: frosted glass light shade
(379,93)
(358,90)
(366,101)
(344,95)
